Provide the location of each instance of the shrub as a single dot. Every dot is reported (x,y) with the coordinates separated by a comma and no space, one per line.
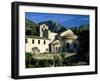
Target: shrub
(35,50)
(28,58)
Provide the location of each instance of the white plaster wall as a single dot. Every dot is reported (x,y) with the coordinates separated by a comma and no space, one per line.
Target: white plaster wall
(52,36)
(42,47)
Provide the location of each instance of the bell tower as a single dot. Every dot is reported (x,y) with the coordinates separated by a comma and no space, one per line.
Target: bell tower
(44,31)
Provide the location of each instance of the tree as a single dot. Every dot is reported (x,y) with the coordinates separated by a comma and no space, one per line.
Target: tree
(35,50)
(84,44)
(47,50)
(57,60)
(83,37)
(28,58)
(31,28)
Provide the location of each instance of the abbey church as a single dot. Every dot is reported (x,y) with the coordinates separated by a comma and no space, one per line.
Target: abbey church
(48,41)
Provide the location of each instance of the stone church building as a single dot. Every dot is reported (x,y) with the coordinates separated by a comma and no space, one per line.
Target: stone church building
(49,41)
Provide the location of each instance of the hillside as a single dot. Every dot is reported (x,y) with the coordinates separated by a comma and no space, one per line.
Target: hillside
(31,28)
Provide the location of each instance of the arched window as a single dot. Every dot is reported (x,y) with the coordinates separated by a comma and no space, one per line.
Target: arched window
(44,42)
(42,29)
(38,41)
(33,41)
(45,33)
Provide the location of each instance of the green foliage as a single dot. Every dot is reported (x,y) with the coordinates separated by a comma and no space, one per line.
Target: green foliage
(83,37)
(35,50)
(84,42)
(45,62)
(47,49)
(57,61)
(84,45)
(28,58)
(63,56)
(31,28)
(84,27)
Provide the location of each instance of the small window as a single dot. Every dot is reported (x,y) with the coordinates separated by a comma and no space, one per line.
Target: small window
(44,42)
(42,29)
(32,41)
(67,45)
(56,48)
(59,48)
(26,41)
(74,45)
(38,41)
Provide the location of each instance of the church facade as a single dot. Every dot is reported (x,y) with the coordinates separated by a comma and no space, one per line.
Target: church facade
(49,41)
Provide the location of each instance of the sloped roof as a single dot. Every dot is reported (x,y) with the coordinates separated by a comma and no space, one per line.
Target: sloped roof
(55,42)
(68,34)
(36,37)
